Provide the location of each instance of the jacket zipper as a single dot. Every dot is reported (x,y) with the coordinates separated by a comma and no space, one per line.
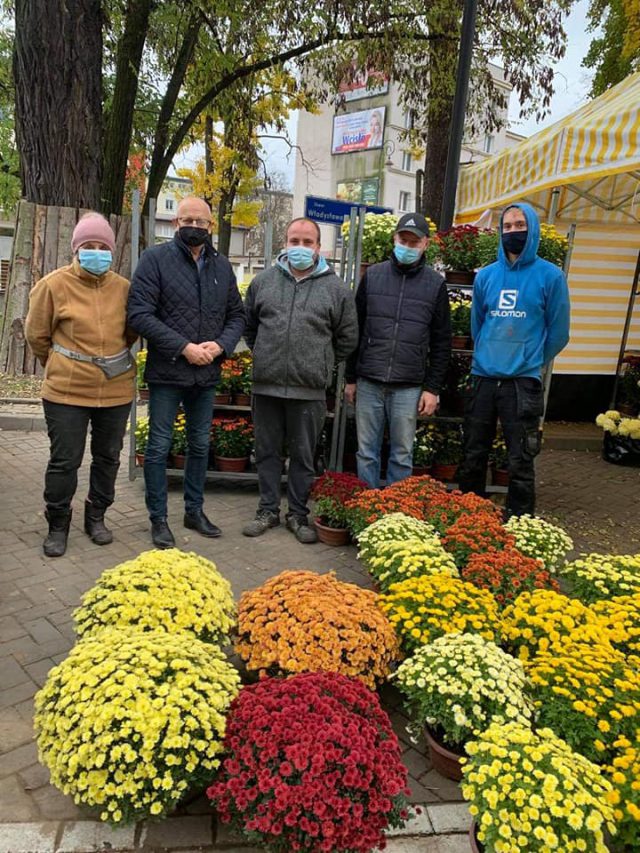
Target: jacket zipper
(395,328)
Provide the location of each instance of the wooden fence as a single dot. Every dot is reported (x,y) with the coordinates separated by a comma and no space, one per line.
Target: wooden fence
(41,244)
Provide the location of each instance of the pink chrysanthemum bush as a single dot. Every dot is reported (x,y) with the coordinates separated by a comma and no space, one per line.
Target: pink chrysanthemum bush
(313,764)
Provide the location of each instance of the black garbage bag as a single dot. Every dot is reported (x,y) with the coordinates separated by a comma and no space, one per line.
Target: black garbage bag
(621,450)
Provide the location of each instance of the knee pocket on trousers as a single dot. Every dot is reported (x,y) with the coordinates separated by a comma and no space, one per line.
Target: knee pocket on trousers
(531,441)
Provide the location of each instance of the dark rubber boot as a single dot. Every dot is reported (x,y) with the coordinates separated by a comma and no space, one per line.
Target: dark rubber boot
(56,542)
(94,525)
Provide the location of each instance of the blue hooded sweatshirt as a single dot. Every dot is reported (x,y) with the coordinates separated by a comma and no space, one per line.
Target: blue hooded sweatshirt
(520,310)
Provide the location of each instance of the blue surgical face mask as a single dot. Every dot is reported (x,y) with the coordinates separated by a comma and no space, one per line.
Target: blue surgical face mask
(300,257)
(405,254)
(95,261)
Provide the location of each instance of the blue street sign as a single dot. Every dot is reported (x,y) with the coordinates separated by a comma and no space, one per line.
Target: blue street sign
(333,212)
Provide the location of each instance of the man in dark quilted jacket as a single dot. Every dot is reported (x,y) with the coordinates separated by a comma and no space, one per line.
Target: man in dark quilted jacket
(403,353)
(184,301)
(301,320)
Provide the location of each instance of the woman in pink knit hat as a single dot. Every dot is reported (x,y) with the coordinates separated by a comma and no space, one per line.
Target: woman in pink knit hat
(76,327)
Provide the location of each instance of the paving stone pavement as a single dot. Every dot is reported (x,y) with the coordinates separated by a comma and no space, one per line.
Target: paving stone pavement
(37,597)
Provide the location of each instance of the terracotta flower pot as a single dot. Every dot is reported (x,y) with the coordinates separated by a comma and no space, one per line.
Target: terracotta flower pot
(242,399)
(628,409)
(444,760)
(476,846)
(500,477)
(231,463)
(222,399)
(461,342)
(178,460)
(446,473)
(421,470)
(140,459)
(331,535)
(460,276)
(143,394)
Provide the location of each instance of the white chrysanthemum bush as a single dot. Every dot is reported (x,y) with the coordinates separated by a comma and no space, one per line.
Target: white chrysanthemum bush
(170,590)
(461,683)
(398,560)
(393,527)
(132,720)
(540,540)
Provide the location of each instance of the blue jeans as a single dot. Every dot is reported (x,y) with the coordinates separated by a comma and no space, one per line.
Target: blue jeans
(164,401)
(376,402)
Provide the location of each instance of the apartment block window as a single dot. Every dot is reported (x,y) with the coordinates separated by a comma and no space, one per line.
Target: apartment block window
(406,161)
(409,119)
(488,143)
(168,204)
(404,201)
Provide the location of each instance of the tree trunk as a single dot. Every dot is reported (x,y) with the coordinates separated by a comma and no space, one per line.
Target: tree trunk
(120,119)
(57,66)
(435,161)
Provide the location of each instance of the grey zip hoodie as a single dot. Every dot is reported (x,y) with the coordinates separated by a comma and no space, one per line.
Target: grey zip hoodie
(298,329)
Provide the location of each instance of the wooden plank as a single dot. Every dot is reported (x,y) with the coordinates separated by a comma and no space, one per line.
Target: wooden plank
(67,218)
(50,260)
(17,299)
(37,265)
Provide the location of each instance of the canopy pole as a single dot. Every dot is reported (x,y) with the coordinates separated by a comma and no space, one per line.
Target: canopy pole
(553,209)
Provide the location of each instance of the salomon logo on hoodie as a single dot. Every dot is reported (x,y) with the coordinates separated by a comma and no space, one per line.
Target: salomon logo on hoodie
(520,310)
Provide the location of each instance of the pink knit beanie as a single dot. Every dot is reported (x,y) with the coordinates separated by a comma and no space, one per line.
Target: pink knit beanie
(93,227)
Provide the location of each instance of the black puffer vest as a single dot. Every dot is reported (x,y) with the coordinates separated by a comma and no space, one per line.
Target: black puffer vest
(401,302)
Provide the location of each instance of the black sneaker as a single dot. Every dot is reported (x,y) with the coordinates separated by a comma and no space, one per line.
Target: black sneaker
(299,526)
(261,523)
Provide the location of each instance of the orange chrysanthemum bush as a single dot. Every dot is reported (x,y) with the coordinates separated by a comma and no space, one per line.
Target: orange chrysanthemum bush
(371,504)
(507,573)
(476,533)
(424,488)
(300,621)
(444,509)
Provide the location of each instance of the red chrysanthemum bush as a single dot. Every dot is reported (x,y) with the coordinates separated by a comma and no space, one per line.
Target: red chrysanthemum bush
(313,764)
(507,573)
(475,533)
(340,487)
(371,504)
(444,509)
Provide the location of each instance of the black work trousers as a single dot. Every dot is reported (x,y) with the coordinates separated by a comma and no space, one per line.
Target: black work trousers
(284,427)
(518,403)
(67,427)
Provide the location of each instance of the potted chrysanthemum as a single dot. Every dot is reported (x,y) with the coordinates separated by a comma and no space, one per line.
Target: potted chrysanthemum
(455,687)
(400,559)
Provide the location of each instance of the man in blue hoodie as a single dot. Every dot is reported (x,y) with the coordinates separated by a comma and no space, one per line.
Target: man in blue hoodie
(301,320)
(519,323)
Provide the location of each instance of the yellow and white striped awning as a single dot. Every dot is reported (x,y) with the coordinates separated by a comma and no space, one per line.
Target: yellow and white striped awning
(591,158)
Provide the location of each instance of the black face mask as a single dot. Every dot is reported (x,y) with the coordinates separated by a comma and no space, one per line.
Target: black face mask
(193,236)
(514,242)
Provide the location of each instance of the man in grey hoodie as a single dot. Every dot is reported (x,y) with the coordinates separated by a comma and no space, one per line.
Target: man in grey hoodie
(301,320)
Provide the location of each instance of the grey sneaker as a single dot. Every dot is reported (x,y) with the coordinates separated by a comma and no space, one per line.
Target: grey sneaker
(300,528)
(261,523)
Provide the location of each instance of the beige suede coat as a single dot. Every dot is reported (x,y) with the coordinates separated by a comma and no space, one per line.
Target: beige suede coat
(87,314)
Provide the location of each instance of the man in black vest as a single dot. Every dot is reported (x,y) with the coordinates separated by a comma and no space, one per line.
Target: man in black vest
(405,344)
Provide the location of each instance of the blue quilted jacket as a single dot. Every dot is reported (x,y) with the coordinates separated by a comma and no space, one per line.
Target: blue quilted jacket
(173,303)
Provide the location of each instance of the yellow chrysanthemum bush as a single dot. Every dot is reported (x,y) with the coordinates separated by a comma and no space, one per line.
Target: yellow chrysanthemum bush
(425,607)
(170,590)
(597,576)
(528,791)
(461,683)
(540,539)
(300,621)
(621,618)
(131,720)
(538,619)
(588,694)
(391,528)
(624,773)
(399,559)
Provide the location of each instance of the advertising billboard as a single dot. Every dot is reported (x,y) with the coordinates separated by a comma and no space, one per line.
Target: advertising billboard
(358,131)
(364,190)
(365,84)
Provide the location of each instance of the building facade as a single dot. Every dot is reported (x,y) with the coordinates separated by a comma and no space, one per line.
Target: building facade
(356,153)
